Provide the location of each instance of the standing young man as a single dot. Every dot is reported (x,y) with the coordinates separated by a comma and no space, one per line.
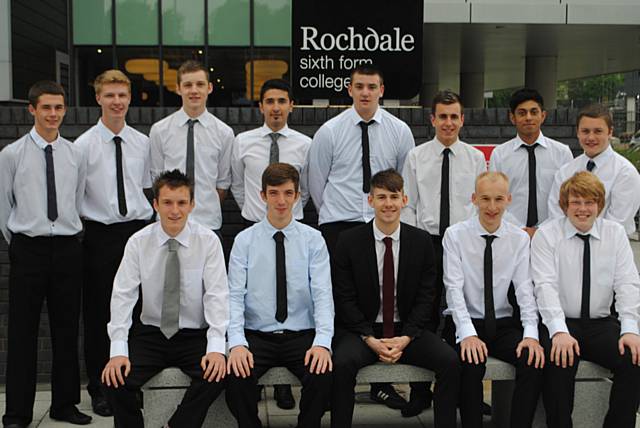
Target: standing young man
(482,257)
(620,178)
(384,284)
(281,304)
(176,267)
(530,185)
(113,207)
(196,142)
(580,262)
(42,179)
(439,178)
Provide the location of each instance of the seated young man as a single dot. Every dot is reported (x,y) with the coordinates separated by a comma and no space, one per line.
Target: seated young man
(384,288)
(579,263)
(281,304)
(483,256)
(178,267)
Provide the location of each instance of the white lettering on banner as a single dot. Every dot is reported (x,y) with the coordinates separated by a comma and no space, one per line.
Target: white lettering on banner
(322,81)
(352,41)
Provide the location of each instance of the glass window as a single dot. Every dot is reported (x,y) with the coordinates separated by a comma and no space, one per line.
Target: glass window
(228,75)
(142,67)
(272,23)
(137,22)
(174,57)
(91,61)
(183,22)
(268,63)
(229,22)
(92,22)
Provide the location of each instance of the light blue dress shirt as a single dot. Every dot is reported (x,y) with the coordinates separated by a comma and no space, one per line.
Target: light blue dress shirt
(252,283)
(335,162)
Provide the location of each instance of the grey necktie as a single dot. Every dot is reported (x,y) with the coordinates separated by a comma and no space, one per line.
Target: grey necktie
(171,294)
(191,150)
(274,151)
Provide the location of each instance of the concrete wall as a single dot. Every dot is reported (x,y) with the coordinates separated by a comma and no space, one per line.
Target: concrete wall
(481,126)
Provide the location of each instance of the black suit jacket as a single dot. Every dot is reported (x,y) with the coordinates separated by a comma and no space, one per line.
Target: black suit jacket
(356,287)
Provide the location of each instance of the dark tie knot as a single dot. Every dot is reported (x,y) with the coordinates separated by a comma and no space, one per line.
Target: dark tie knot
(48,149)
(117,140)
(192,122)
(585,238)
(364,125)
(388,241)
(446,152)
(530,148)
(274,136)
(279,237)
(173,245)
(590,165)
(489,238)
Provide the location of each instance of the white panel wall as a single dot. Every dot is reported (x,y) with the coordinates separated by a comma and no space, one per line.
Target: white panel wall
(6,87)
(521,13)
(447,12)
(601,14)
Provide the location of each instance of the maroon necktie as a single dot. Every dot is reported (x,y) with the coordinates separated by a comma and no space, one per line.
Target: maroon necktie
(388,285)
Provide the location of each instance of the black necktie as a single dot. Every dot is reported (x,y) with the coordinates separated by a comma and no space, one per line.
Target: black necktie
(122,200)
(532,210)
(444,192)
(191,150)
(489,308)
(366,163)
(281,278)
(590,165)
(388,286)
(52,203)
(586,278)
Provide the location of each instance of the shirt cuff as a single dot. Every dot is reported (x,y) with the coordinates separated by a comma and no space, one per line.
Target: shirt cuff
(237,340)
(557,326)
(216,345)
(628,326)
(119,348)
(324,341)
(465,331)
(531,331)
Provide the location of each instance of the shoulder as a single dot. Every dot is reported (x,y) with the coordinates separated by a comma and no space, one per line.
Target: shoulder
(517,233)
(87,137)
(299,136)
(137,134)
(337,120)
(164,124)
(502,150)
(219,125)
(393,120)
(549,230)
(624,166)
(72,147)
(557,145)
(613,228)
(570,167)
(143,234)
(309,234)
(471,151)
(414,233)
(12,148)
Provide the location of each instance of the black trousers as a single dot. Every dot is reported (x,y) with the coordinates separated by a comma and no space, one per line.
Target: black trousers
(598,340)
(440,305)
(350,354)
(278,349)
(150,353)
(103,247)
(331,232)
(43,268)
(503,347)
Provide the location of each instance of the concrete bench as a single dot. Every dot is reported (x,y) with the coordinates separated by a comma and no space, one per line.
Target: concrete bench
(163,392)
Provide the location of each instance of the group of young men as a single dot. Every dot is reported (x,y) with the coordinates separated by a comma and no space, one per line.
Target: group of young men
(400,227)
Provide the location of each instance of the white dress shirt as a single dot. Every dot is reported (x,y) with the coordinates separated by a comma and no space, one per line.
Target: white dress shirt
(204,294)
(213,142)
(621,183)
(23,187)
(422,177)
(381,248)
(464,247)
(100,201)
(556,265)
(335,162)
(249,159)
(513,160)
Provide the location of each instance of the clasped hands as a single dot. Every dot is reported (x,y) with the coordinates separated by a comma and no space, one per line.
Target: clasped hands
(389,350)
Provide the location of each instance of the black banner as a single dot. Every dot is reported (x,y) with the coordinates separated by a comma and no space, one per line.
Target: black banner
(332,37)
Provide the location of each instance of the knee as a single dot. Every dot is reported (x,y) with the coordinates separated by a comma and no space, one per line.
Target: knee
(472,371)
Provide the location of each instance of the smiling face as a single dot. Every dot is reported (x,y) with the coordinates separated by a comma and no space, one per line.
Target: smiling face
(527,118)
(280,201)
(593,134)
(492,198)
(173,207)
(387,206)
(582,212)
(194,88)
(275,107)
(48,114)
(114,99)
(447,121)
(366,91)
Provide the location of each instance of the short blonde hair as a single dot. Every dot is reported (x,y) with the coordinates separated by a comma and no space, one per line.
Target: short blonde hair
(111,76)
(492,176)
(582,184)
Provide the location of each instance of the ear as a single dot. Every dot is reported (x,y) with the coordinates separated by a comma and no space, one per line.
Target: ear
(210,88)
(263,196)
(370,199)
(512,118)
(155,204)
(32,110)
(381,90)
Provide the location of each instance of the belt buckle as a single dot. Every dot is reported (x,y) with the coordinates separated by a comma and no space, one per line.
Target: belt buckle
(278,332)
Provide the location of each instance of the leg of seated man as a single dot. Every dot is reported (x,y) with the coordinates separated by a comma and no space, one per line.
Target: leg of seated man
(430,352)
(350,354)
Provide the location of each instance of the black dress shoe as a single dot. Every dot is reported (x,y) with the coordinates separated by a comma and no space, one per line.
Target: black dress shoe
(73,416)
(384,393)
(284,397)
(14,426)
(486,409)
(100,406)
(419,401)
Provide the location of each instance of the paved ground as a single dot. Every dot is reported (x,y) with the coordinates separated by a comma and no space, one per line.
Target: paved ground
(367,414)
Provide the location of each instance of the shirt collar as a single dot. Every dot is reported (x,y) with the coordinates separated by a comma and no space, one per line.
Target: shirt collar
(541,140)
(379,235)
(204,119)
(356,119)
(601,159)
(107,135)
(570,230)
(480,230)
(265,130)
(270,230)
(440,147)
(41,142)
(183,237)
